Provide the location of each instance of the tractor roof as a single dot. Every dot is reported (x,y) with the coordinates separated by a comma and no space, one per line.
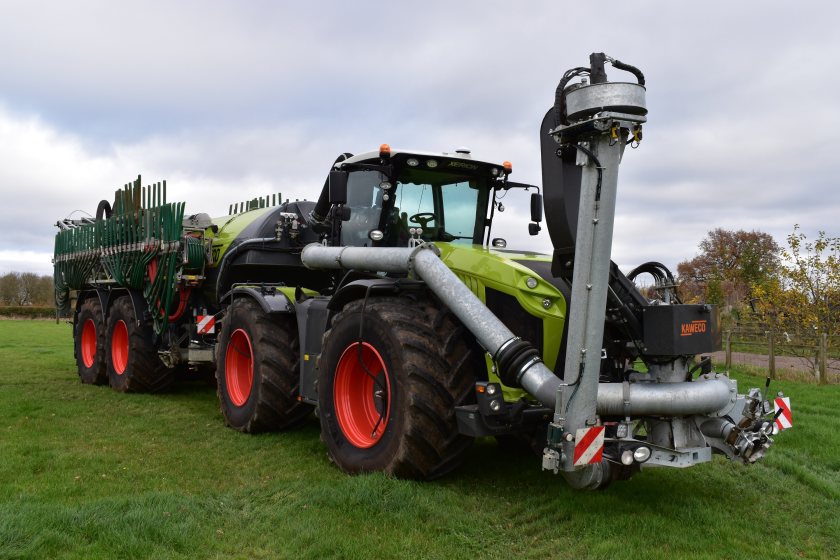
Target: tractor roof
(462,154)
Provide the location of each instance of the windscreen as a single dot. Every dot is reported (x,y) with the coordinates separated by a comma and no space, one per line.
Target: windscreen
(443,205)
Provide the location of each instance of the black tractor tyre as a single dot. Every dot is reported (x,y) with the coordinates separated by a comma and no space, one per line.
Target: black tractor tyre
(392,409)
(258,369)
(132,361)
(89,339)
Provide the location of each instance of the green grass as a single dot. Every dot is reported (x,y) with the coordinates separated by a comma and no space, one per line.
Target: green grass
(89,473)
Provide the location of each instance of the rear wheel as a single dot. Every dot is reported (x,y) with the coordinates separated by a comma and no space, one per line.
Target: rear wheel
(89,338)
(387,396)
(133,364)
(257,369)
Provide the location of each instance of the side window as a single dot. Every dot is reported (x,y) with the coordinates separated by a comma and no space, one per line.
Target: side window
(362,187)
(364,198)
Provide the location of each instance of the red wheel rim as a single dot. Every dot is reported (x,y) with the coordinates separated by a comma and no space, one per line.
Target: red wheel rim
(119,347)
(239,367)
(88,344)
(362,395)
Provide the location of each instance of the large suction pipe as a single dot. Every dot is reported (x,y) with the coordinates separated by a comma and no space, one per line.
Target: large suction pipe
(518,361)
(665,399)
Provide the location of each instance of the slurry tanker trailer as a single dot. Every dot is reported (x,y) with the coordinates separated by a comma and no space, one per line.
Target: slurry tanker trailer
(388,308)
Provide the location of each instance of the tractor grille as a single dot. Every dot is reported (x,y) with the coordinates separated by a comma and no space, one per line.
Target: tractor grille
(523,324)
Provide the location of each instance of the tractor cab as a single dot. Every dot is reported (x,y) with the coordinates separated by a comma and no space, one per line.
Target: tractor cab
(395,198)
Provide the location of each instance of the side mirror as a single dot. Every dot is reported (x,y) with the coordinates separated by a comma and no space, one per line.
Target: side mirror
(343,213)
(338,187)
(536,208)
(534,229)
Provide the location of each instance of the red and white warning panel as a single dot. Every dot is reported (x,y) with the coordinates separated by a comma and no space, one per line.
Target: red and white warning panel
(205,324)
(589,446)
(783,420)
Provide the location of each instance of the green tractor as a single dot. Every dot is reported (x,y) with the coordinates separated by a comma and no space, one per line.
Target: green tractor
(389,309)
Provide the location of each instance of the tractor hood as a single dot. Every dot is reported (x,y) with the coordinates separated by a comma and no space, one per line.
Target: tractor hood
(525,271)
(518,288)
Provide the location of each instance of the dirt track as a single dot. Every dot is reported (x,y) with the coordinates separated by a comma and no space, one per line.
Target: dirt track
(783,363)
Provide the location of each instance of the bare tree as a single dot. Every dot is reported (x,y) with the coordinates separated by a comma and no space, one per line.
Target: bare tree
(10,288)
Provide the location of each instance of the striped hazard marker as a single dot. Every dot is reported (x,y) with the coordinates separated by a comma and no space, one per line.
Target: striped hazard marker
(589,446)
(205,324)
(783,420)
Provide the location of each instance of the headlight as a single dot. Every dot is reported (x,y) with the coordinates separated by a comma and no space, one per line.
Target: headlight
(641,454)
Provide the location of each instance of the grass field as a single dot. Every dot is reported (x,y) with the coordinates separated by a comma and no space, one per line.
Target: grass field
(89,473)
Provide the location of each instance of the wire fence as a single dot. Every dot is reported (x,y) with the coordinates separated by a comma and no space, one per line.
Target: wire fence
(815,358)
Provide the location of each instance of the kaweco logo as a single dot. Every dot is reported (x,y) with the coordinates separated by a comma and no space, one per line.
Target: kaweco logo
(694,327)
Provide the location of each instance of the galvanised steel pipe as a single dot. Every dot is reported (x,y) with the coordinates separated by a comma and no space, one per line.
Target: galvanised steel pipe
(683,398)
(424,262)
(667,399)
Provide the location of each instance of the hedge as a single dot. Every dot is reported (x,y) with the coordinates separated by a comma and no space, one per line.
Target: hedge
(27,311)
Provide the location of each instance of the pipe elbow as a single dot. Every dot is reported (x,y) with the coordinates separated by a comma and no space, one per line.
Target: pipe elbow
(666,399)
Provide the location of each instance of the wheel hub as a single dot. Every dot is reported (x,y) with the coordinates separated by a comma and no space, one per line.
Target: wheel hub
(88,343)
(362,394)
(239,367)
(119,347)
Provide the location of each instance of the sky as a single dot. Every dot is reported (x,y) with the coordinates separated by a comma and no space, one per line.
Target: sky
(231,100)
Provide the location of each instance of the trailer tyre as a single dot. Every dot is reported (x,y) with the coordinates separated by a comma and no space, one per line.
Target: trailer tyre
(89,338)
(132,360)
(387,399)
(257,369)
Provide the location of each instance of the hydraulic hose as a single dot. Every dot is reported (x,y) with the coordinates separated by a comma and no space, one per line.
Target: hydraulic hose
(103,210)
(629,68)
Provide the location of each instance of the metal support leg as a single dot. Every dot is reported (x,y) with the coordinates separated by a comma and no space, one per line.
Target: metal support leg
(590,279)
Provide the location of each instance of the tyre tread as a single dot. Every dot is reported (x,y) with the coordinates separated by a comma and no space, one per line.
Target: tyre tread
(440,362)
(277,360)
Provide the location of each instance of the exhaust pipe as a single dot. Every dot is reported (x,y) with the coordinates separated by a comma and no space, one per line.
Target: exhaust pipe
(518,361)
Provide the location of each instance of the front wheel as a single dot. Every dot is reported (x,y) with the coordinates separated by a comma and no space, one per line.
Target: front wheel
(391,373)
(257,369)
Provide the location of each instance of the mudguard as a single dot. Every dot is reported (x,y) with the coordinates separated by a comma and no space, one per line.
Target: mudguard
(270,298)
(359,289)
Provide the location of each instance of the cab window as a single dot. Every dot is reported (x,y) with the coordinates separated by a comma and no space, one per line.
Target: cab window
(444,207)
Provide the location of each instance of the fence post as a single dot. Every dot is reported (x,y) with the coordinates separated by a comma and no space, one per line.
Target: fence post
(823,359)
(771,350)
(728,349)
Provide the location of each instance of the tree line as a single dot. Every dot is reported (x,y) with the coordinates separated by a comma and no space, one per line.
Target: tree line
(26,288)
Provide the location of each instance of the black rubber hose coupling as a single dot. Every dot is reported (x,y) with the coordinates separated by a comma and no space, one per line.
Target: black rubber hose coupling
(513,358)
